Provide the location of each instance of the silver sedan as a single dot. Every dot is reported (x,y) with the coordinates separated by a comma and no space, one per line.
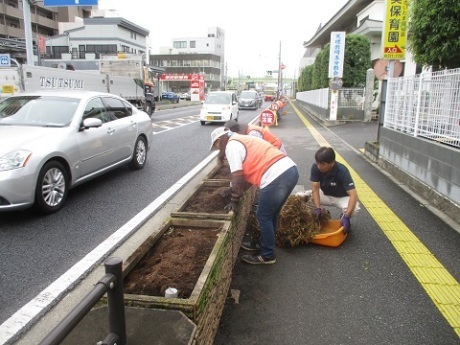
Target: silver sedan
(53,141)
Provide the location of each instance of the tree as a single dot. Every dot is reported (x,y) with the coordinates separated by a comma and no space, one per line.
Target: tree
(357,60)
(434,33)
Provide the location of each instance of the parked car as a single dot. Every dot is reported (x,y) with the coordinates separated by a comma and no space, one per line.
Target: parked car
(53,141)
(187,96)
(219,106)
(249,100)
(171,96)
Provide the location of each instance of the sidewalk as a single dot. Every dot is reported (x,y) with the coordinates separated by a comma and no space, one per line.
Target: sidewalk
(365,291)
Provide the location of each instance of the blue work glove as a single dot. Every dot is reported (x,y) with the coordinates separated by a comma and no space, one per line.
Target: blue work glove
(345,222)
(317,212)
(231,206)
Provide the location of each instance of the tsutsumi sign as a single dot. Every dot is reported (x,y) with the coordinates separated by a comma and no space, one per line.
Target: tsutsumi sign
(61,83)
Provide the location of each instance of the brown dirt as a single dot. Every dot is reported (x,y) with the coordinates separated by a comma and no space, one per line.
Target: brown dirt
(176,260)
(209,200)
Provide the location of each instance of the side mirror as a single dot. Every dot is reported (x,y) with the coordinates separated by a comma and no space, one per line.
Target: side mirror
(91,122)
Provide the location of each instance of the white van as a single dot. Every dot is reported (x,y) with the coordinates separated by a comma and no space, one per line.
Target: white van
(219,106)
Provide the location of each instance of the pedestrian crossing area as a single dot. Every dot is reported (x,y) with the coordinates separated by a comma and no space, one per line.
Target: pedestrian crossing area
(167,125)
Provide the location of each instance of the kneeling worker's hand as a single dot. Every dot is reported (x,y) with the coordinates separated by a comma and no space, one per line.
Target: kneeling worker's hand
(345,222)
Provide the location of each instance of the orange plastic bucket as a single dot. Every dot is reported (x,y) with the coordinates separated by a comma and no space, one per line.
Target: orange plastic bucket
(331,234)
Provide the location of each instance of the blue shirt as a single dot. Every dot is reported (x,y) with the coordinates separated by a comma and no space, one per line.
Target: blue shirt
(335,182)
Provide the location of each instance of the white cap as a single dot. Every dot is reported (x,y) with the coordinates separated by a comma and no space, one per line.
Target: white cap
(216,134)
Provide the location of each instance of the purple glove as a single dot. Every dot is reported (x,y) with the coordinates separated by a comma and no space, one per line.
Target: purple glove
(345,222)
(317,212)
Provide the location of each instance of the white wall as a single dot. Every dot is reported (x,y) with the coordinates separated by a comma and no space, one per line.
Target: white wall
(375,11)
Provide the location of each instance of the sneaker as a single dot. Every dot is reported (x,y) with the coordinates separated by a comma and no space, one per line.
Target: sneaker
(258,260)
(250,246)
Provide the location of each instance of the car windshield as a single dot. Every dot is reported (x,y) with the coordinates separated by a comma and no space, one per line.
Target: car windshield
(215,98)
(38,111)
(248,95)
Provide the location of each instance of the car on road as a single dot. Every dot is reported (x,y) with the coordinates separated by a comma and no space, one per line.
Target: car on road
(219,106)
(171,96)
(249,100)
(53,141)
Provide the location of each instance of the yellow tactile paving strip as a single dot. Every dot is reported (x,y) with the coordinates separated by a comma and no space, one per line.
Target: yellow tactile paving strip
(440,285)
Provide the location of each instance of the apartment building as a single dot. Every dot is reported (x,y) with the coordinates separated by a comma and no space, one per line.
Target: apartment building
(194,55)
(44,23)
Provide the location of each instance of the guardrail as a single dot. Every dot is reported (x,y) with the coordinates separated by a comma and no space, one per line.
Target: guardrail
(112,284)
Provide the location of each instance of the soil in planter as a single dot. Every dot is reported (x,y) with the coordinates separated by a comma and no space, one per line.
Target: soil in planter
(223,173)
(176,260)
(209,200)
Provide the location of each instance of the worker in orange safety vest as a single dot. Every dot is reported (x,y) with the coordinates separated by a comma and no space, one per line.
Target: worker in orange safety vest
(254,161)
(256,131)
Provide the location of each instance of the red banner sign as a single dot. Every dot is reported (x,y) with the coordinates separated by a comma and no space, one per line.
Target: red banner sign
(175,77)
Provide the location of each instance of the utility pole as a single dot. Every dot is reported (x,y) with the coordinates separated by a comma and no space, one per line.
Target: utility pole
(279,73)
(225,77)
(28,32)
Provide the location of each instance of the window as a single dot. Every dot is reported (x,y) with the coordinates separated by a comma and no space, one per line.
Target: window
(12,4)
(57,51)
(192,44)
(81,49)
(116,108)
(179,44)
(110,49)
(95,109)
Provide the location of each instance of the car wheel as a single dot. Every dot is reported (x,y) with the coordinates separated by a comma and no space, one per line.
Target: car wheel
(52,187)
(139,154)
(203,123)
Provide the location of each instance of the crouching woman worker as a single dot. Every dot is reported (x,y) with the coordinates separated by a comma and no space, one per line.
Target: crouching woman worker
(255,161)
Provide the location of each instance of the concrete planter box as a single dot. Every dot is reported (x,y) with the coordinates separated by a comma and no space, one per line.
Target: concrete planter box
(220,173)
(203,188)
(205,305)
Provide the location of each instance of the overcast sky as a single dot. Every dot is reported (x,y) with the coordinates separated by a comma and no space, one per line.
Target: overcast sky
(253,29)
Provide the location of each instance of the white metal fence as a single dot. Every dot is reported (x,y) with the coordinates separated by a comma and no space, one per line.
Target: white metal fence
(426,105)
(350,103)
